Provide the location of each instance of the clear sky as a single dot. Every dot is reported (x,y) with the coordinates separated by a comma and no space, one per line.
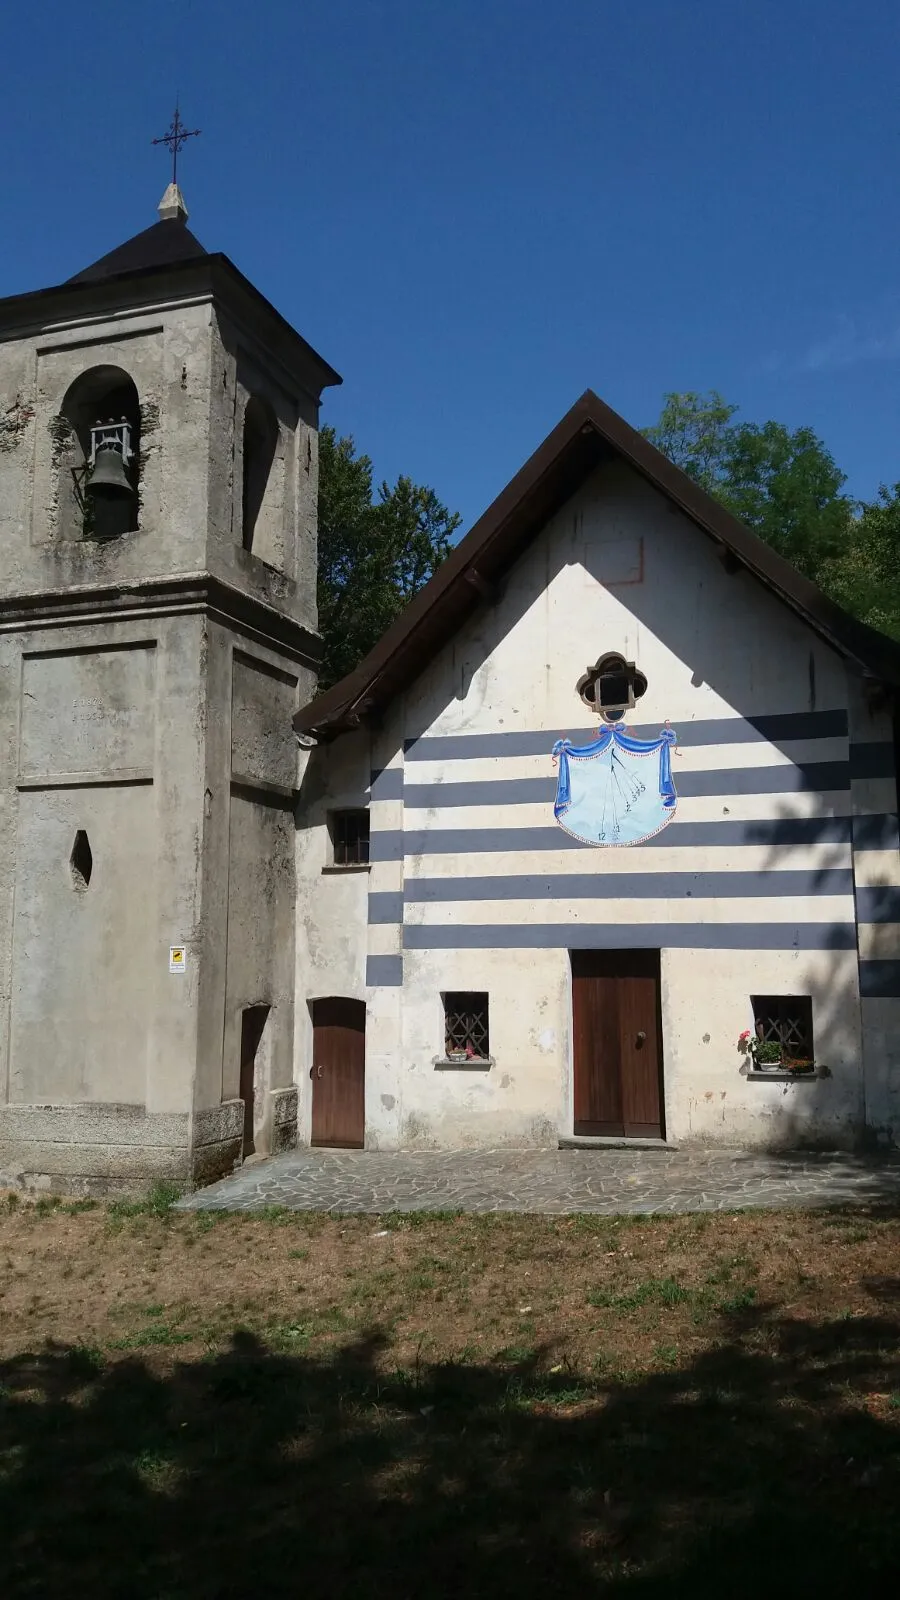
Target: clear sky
(476,209)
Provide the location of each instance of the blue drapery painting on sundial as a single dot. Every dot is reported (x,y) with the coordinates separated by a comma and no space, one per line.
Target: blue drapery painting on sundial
(616,790)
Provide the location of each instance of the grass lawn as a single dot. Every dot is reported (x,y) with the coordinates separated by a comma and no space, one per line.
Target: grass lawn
(201,1405)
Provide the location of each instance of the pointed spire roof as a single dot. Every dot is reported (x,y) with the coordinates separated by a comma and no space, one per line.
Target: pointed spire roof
(166,243)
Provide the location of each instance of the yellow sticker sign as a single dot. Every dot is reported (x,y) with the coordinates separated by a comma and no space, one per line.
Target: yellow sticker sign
(177,957)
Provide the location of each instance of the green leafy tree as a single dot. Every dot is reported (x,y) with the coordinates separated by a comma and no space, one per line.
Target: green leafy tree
(783,483)
(864,577)
(692,431)
(375,551)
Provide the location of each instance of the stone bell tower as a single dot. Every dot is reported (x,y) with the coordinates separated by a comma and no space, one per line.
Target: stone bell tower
(158,474)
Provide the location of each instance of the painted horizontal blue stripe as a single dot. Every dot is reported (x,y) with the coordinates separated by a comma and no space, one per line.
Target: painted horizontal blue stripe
(876,832)
(635,936)
(384,972)
(602,885)
(881,904)
(708,731)
(879,980)
(767,832)
(386,844)
(385,906)
(872,760)
(818,777)
(386,783)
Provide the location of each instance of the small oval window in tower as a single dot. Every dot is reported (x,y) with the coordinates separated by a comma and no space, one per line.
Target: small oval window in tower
(81,861)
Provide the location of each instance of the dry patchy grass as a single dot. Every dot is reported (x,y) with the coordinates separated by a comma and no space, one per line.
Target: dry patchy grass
(423,1403)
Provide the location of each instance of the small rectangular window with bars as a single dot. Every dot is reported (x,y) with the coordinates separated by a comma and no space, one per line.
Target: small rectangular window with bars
(349,838)
(466,1034)
(783,1027)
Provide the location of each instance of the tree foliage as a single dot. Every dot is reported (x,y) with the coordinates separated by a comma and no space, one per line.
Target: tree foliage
(865,575)
(786,485)
(378,547)
(376,550)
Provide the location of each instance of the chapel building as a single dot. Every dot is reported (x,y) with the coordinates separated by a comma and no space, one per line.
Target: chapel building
(600,843)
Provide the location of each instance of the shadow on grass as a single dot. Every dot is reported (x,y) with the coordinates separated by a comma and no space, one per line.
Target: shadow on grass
(255,1473)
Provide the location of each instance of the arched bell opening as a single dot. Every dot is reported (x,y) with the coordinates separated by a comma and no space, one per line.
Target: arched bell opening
(98,441)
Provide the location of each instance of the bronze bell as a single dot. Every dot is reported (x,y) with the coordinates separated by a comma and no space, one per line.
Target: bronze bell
(109,478)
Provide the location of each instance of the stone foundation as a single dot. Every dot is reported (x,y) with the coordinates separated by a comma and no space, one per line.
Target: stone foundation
(117,1149)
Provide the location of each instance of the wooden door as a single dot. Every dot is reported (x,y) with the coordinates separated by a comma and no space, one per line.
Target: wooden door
(617,1043)
(339,1073)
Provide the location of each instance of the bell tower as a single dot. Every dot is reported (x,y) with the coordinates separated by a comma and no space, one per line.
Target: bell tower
(158,484)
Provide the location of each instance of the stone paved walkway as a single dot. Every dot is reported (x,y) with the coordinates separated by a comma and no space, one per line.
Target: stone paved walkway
(553,1182)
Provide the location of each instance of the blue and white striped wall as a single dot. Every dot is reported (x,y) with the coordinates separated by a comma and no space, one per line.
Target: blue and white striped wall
(778,874)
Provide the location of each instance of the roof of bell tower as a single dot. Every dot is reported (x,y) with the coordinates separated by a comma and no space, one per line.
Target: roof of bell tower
(166,243)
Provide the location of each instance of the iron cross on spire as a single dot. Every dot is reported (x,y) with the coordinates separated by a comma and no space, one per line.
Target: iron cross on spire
(175,138)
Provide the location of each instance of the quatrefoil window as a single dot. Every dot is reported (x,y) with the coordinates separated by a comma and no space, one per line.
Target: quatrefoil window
(612,686)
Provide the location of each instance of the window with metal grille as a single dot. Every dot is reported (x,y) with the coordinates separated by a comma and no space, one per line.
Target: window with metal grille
(350,838)
(783,1022)
(466,1026)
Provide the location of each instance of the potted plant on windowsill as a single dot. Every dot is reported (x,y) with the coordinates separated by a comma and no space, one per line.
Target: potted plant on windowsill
(766,1055)
(800,1069)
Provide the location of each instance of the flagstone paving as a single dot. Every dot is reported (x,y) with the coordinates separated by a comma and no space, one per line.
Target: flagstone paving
(553,1182)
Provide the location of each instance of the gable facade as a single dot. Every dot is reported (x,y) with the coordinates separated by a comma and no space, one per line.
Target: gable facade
(776,875)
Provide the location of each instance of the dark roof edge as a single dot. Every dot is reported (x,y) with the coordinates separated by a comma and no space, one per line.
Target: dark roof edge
(14,309)
(432,616)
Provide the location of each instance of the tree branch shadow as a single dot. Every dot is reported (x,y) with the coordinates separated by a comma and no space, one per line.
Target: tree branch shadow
(755,1464)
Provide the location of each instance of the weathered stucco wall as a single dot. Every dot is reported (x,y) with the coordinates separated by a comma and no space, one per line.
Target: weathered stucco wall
(750,890)
(146,689)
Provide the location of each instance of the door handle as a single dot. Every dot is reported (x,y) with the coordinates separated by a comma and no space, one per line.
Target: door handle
(317,1072)
(639,1039)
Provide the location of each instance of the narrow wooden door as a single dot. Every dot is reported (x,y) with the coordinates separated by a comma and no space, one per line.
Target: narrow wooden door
(339,1073)
(617,1043)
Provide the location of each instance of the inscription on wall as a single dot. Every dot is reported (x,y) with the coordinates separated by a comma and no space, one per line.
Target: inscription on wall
(88,712)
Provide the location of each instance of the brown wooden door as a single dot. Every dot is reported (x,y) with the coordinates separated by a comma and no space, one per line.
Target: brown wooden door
(339,1073)
(617,1043)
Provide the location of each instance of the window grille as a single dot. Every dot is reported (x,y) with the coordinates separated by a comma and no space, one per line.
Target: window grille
(466,1025)
(350,838)
(786,1021)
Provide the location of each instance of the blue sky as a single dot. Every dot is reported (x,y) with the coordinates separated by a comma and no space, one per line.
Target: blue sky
(475,210)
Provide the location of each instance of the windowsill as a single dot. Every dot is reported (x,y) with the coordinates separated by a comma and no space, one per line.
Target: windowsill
(352,866)
(472,1064)
(782,1075)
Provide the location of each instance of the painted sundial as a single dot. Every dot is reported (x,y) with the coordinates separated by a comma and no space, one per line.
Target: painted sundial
(618,789)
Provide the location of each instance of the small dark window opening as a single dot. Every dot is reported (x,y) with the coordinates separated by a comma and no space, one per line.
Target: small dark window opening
(613,689)
(466,1030)
(350,838)
(260,441)
(784,1029)
(81,861)
(612,686)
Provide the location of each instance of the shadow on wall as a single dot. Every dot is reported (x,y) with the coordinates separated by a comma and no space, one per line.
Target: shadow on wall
(704,633)
(807,1108)
(768,1465)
